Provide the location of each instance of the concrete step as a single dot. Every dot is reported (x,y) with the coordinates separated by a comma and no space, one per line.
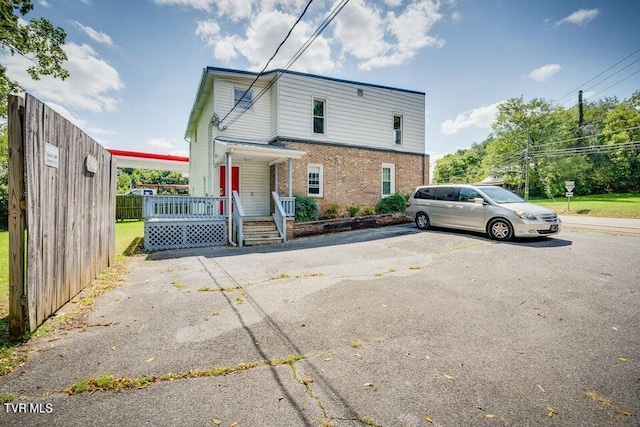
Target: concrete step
(258,228)
(262,235)
(249,241)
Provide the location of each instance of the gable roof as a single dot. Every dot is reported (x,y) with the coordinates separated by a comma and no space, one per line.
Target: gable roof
(206,82)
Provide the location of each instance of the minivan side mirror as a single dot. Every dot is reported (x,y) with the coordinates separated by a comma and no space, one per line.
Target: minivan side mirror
(479,201)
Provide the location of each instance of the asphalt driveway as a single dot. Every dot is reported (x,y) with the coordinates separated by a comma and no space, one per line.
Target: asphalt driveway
(386,327)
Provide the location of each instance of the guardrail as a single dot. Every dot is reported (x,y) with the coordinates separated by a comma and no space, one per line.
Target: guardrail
(183,207)
(289,205)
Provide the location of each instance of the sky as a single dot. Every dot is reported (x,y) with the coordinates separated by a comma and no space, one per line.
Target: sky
(135,66)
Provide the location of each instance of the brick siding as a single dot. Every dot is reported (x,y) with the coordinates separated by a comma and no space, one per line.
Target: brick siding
(352,176)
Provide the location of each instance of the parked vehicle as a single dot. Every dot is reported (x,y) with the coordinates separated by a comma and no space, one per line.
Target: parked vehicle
(484,208)
(142,192)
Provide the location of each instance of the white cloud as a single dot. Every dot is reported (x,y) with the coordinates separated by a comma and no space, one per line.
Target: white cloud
(579,17)
(455,16)
(545,72)
(181,153)
(44,3)
(375,34)
(381,41)
(95,35)
(161,143)
(90,84)
(481,117)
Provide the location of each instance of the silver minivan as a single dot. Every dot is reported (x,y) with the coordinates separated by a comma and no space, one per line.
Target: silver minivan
(484,208)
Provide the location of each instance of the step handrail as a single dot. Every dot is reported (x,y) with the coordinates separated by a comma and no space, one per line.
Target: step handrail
(279,217)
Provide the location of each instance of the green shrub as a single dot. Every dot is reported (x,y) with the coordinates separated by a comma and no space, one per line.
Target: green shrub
(353,210)
(306,209)
(332,211)
(392,204)
(369,210)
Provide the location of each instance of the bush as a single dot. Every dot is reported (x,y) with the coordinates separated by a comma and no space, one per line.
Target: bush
(332,211)
(392,204)
(306,209)
(369,210)
(353,210)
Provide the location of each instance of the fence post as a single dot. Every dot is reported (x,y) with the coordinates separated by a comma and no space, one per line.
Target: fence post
(16,218)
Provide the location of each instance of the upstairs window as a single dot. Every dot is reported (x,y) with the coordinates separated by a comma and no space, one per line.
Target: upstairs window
(397,129)
(242,99)
(319,115)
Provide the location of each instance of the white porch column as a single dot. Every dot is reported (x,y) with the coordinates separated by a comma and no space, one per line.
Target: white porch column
(229,197)
(290,176)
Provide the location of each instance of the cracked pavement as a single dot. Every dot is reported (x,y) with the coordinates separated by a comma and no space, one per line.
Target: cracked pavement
(397,326)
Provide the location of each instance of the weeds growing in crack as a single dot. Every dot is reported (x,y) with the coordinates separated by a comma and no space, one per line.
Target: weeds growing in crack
(111,383)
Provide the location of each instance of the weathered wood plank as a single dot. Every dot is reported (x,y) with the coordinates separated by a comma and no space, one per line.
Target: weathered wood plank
(16,217)
(70,216)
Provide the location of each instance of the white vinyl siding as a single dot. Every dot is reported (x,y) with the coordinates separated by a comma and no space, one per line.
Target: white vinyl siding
(388,179)
(254,125)
(254,188)
(349,118)
(314,180)
(200,183)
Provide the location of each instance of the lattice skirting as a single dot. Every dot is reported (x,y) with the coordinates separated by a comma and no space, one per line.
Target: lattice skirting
(176,234)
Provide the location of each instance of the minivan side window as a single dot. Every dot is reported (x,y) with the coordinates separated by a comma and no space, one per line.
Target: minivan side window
(425,193)
(468,194)
(447,193)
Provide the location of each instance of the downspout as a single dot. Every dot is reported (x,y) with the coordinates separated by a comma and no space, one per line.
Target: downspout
(229,198)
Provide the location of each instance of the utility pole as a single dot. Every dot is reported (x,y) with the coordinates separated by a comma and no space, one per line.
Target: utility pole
(580,109)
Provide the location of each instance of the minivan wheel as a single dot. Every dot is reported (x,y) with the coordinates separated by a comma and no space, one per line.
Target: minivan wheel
(422,220)
(500,229)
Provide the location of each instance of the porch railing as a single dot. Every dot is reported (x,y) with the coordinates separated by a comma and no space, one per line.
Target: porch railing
(289,205)
(238,216)
(279,216)
(183,207)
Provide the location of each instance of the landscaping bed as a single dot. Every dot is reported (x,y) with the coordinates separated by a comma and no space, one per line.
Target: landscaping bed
(312,228)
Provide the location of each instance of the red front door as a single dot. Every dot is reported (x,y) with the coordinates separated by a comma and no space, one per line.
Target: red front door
(235,181)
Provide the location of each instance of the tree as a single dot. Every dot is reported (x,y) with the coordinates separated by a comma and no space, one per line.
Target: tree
(38,40)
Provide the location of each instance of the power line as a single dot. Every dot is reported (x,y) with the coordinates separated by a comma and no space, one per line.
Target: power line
(557,102)
(616,83)
(297,55)
(591,149)
(268,62)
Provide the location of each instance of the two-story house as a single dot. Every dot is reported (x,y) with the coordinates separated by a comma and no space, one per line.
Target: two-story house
(338,141)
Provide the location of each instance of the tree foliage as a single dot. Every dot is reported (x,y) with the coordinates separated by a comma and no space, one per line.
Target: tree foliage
(129,178)
(36,39)
(544,129)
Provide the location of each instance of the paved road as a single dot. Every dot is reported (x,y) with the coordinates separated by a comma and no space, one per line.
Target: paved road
(396,326)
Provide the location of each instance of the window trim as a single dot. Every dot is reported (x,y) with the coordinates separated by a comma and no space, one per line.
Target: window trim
(401,130)
(320,179)
(392,179)
(313,115)
(235,88)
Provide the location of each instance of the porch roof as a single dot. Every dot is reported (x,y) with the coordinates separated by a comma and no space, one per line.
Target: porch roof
(248,151)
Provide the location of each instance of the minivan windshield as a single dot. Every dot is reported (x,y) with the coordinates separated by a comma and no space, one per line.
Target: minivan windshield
(500,195)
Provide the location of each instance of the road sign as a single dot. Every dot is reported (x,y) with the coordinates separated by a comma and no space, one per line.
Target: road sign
(569,193)
(569,185)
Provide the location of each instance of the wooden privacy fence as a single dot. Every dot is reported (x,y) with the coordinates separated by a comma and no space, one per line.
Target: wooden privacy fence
(128,207)
(62,188)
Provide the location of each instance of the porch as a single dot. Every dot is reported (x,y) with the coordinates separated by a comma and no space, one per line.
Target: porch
(175,222)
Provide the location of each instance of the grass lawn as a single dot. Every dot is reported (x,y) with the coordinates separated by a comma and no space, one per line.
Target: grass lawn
(608,205)
(128,234)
